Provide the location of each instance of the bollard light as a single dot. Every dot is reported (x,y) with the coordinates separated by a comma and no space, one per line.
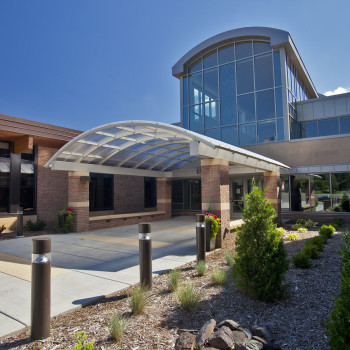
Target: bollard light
(20,222)
(145,255)
(41,288)
(200,236)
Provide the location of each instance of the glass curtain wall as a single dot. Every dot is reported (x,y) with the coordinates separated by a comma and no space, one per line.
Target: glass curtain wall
(234,94)
(4,176)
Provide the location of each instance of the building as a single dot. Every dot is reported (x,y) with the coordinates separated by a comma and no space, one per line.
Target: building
(249,109)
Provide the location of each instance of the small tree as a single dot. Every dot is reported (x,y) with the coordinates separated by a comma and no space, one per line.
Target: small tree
(261,262)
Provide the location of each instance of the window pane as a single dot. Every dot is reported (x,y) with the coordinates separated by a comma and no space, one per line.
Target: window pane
(4,149)
(244,49)
(266,132)
(177,194)
(246,108)
(186,126)
(195,88)
(261,47)
(263,72)
(196,118)
(280,129)
(265,104)
(245,77)
(213,133)
(328,127)
(150,192)
(340,190)
(247,134)
(284,193)
(185,91)
(226,54)
(228,95)
(279,103)
(300,194)
(211,115)
(210,60)
(309,129)
(344,125)
(4,199)
(320,192)
(101,191)
(210,85)
(196,66)
(277,68)
(229,135)
(196,195)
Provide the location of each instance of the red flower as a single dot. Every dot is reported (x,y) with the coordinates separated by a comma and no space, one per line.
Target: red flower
(70,210)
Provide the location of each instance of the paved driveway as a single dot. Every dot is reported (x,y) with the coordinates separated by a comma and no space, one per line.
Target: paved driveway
(87,265)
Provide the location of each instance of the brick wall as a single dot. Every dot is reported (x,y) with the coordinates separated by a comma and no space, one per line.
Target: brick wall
(164,196)
(272,191)
(128,194)
(52,188)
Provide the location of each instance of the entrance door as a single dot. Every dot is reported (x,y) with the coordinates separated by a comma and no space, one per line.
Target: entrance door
(237,196)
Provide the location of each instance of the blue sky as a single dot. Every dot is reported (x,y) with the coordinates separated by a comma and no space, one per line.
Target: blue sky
(83,63)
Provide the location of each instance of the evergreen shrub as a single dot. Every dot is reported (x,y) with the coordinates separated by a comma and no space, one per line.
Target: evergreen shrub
(311,250)
(327,231)
(301,260)
(35,226)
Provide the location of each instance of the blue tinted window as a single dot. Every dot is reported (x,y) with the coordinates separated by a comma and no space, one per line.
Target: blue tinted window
(210,85)
(185,91)
(195,88)
(210,60)
(328,127)
(246,108)
(261,47)
(196,118)
(243,50)
(265,104)
(309,129)
(213,133)
(229,135)
(228,95)
(247,134)
(226,54)
(186,118)
(344,125)
(277,68)
(263,72)
(266,132)
(245,76)
(279,102)
(211,112)
(196,66)
(280,129)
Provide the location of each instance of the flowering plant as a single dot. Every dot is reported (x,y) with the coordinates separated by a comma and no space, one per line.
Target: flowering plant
(215,223)
(64,221)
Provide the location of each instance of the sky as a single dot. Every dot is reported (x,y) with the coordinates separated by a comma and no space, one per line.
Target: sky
(84,63)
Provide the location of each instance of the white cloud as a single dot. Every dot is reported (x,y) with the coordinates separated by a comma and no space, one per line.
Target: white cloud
(337,91)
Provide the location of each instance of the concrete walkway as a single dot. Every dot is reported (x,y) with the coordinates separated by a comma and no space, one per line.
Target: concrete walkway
(87,265)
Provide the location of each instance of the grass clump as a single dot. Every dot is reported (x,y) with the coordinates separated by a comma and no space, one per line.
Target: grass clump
(2,228)
(218,276)
(230,258)
(117,326)
(302,229)
(291,237)
(173,279)
(309,223)
(138,300)
(301,260)
(327,231)
(35,226)
(311,250)
(82,343)
(189,298)
(201,267)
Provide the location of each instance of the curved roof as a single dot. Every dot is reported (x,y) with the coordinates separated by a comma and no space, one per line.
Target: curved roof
(277,37)
(148,149)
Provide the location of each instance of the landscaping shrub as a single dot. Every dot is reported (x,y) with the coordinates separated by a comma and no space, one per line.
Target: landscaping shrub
(117,326)
(261,262)
(297,226)
(291,237)
(327,231)
(2,228)
(281,231)
(82,343)
(318,241)
(302,229)
(35,226)
(310,224)
(301,222)
(230,259)
(337,223)
(218,276)
(173,279)
(311,250)
(201,267)
(189,297)
(137,301)
(338,324)
(301,260)
(345,202)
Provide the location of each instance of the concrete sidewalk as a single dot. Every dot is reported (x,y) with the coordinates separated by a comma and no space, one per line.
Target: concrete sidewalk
(87,266)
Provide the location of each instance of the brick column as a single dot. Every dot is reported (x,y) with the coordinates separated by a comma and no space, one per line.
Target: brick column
(164,196)
(216,192)
(78,199)
(272,191)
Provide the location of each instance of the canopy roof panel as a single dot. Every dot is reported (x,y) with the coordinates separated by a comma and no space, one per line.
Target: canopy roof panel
(145,148)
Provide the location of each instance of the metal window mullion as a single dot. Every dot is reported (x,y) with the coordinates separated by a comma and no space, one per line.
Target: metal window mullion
(331,190)
(254,92)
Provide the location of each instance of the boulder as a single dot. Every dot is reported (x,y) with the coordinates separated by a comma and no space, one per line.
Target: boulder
(185,341)
(205,332)
(264,331)
(234,326)
(221,339)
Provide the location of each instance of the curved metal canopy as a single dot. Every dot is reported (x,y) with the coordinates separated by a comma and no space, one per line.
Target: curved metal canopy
(148,149)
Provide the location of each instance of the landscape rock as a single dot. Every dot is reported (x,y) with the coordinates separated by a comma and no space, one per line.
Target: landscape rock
(238,337)
(205,332)
(247,333)
(253,345)
(234,326)
(264,342)
(185,341)
(264,331)
(221,339)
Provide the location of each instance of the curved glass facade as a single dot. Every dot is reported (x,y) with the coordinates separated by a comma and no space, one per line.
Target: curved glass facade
(234,94)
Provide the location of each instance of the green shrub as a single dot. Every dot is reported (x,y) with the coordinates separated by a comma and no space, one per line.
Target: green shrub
(188,296)
(201,267)
(281,231)
(337,223)
(296,227)
(291,237)
(173,279)
(301,222)
(2,228)
(302,229)
(230,258)
(338,324)
(137,300)
(311,250)
(318,241)
(218,276)
(82,343)
(301,260)
(309,223)
(35,226)
(345,202)
(117,326)
(327,231)
(261,262)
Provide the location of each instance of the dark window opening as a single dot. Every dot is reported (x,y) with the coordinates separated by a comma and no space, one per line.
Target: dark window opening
(186,194)
(150,192)
(101,192)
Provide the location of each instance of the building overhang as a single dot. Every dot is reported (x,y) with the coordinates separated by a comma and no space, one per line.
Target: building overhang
(153,149)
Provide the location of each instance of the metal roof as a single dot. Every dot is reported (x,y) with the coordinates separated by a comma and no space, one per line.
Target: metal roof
(148,148)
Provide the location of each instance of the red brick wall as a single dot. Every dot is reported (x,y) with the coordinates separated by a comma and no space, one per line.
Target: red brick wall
(272,191)
(164,196)
(128,194)
(52,188)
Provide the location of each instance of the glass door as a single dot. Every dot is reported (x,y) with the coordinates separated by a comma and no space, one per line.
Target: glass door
(237,196)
